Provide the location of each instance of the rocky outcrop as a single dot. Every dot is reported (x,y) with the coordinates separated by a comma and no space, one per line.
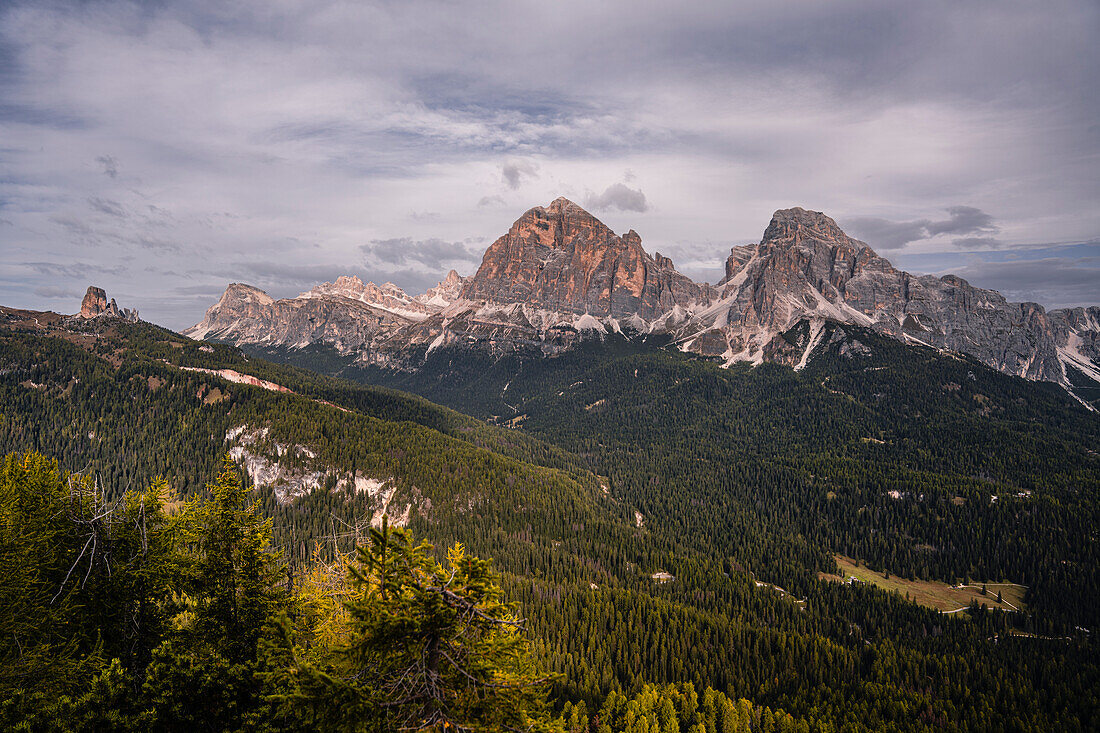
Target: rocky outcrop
(95,305)
(560,275)
(292,471)
(563,259)
(448,291)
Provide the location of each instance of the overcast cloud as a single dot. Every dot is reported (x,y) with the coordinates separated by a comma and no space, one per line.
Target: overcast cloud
(887,235)
(163,150)
(617,196)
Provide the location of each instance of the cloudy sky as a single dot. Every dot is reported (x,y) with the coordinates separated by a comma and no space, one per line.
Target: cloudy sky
(163,149)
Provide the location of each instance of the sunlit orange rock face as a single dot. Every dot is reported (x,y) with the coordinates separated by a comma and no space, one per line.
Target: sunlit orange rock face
(94,303)
(564,259)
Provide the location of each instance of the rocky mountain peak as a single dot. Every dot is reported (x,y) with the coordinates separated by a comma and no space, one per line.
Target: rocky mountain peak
(801,253)
(564,259)
(562,205)
(955,281)
(242,293)
(95,304)
(739,256)
(807,269)
(348,282)
(797,224)
(446,292)
(387,296)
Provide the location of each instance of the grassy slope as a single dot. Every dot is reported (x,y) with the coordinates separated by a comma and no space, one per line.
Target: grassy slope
(934,594)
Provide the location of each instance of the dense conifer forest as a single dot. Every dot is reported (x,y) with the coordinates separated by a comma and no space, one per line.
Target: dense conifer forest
(623,460)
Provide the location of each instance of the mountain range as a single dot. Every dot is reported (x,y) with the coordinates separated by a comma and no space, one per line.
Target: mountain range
(559,275)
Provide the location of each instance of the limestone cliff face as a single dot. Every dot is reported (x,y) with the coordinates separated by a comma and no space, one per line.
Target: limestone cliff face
(249,315)
(347,314)
(95,304)
(805,267)
(562,258)
(560,275)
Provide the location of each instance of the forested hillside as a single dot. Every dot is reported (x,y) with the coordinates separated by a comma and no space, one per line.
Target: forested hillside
(923,464)
(634,463)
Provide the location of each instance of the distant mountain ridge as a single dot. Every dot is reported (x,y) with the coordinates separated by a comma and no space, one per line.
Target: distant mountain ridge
(559,275)
(347,314)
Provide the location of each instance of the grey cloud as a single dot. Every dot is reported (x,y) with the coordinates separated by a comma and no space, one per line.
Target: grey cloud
(110,165)
(1054,281)
(906,105)
(79,229)
(514,171)
(618,196)
(702,261)
(885,234)
(74,270)
(123,231)
(51,118)
(432,253)
(962,220)
(105,206)
(977,243)
(50,291)
(153,243)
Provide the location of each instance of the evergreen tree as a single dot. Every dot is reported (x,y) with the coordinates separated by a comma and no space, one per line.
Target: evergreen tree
(206,676)
(432,646)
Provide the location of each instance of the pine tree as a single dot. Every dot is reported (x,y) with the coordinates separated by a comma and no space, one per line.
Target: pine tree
(432,647)
(207,676)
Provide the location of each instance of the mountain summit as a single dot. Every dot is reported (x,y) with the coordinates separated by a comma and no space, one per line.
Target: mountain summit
(564,259)
(559,275)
